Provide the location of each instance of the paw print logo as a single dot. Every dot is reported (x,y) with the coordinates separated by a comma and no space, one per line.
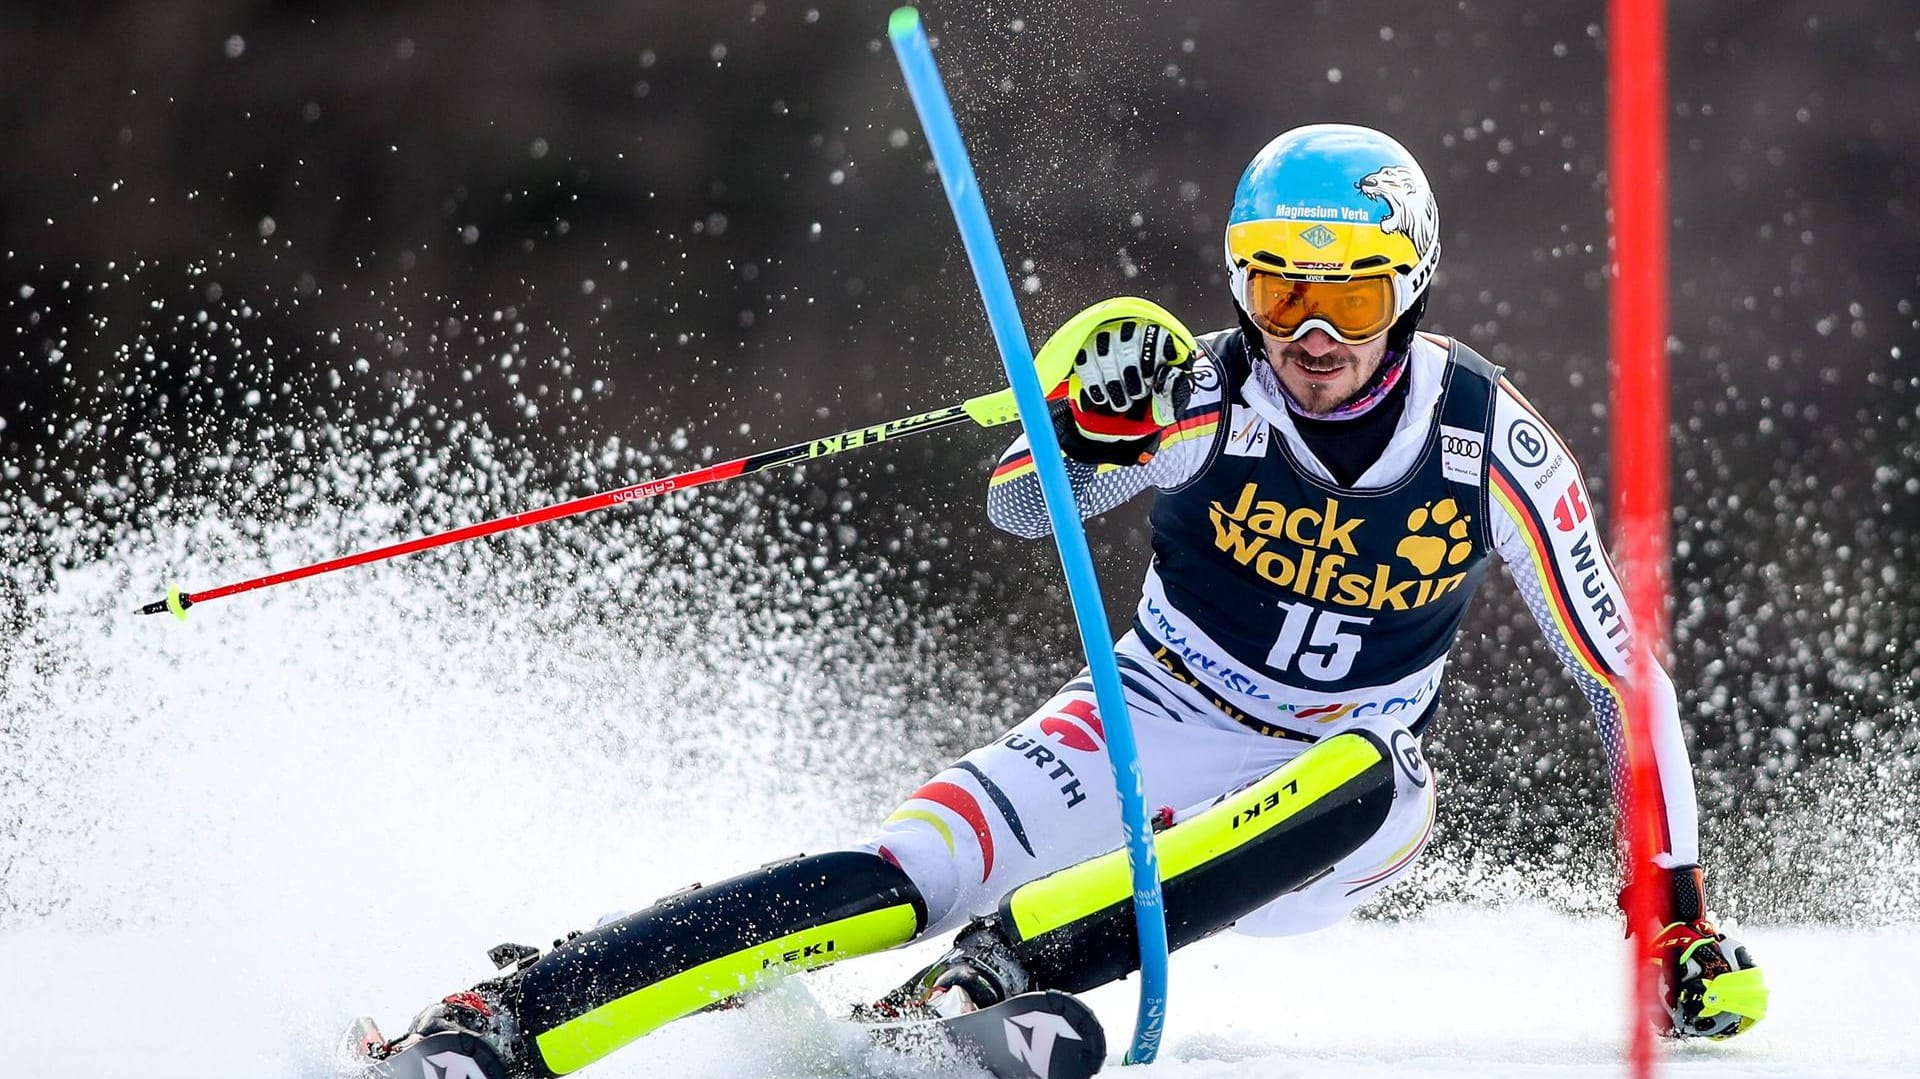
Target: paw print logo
(1449,548)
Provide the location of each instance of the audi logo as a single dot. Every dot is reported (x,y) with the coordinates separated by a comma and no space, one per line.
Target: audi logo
(1463,447)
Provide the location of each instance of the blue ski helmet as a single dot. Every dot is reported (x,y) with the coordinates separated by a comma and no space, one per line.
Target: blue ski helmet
(1335,203)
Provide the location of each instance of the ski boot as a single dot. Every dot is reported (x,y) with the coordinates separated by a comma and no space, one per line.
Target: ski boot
(979,972)
(479,1023)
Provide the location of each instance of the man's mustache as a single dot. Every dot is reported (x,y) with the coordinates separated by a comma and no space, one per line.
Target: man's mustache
(1296,354)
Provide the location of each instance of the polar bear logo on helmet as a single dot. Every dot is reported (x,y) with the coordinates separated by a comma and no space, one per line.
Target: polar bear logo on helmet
(1413,212)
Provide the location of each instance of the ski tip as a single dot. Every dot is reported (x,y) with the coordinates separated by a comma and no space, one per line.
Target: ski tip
(360,1044)
(903,22)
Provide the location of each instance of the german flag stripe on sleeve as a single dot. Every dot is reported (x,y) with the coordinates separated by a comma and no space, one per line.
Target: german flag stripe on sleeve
(1570,630)
(1527,405)
(1533,530)
(1201,424)
(1019,464)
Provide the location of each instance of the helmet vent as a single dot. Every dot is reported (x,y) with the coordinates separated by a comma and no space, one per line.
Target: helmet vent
(1268,256)
(1370,262)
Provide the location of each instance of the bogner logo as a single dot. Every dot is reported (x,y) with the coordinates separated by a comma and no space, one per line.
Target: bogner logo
(1310,550)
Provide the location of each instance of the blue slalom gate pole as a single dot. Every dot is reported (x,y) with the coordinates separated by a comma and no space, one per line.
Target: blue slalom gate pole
(1083,585)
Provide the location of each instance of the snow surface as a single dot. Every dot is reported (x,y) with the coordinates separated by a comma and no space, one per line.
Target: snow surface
(1468,992)
(222,840)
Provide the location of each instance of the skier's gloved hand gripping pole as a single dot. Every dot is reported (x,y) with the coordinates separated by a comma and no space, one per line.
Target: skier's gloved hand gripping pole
(990,273)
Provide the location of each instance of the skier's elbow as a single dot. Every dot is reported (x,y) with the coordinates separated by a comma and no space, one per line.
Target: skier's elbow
(1010,516)
(1022,525)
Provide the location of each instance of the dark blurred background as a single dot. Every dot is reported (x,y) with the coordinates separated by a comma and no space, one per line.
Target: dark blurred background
(239,237)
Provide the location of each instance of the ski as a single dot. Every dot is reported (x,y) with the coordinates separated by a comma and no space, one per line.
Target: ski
(1047,1035)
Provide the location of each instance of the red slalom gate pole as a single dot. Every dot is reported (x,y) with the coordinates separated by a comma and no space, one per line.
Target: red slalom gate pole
(1637,196)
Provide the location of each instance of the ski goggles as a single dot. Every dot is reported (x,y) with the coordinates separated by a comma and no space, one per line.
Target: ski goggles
(1355,311)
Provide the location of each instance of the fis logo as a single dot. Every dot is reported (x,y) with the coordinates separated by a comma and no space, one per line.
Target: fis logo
(1571,511)
(1030,1039)
(1249,439)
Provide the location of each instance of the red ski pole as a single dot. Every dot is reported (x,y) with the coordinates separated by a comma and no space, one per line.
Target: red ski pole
(178,601)
(1055,362)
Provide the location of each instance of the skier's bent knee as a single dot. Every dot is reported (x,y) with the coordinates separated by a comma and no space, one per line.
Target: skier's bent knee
(1074,929)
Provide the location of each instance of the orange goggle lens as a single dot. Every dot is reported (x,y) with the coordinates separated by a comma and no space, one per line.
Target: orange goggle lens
(1356,311)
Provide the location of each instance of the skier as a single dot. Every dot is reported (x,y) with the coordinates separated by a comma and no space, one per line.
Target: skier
(1331,483)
